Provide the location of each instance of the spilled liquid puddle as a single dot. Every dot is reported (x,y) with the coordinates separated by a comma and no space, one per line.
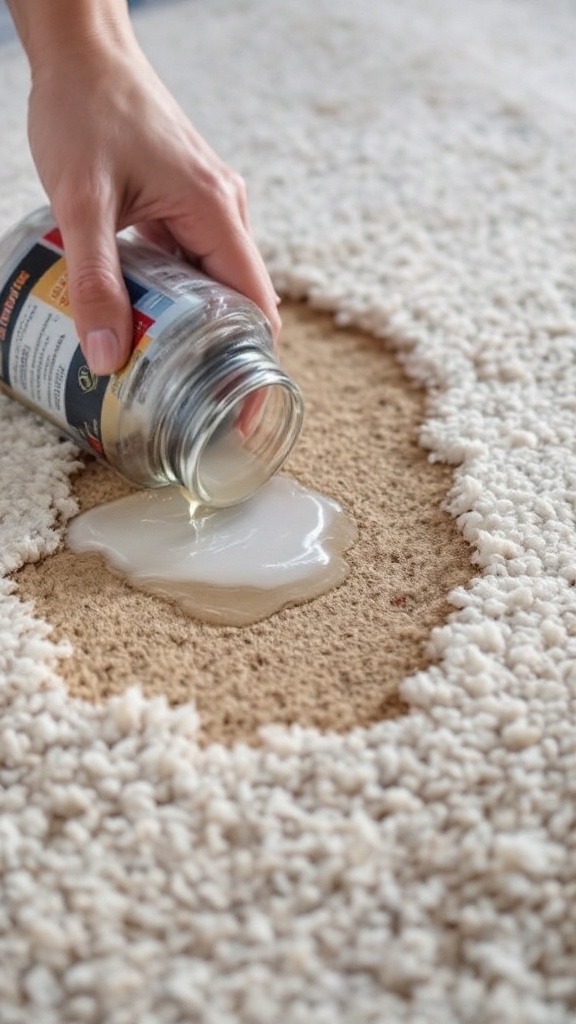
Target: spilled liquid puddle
(332,664)
(231,566)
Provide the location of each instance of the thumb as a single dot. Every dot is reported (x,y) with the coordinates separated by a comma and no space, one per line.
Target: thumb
(98,296)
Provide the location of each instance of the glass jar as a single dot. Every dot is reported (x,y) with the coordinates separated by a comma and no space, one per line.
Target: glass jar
(202,402)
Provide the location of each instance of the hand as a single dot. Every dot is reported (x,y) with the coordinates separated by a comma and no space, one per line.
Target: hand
(113,149)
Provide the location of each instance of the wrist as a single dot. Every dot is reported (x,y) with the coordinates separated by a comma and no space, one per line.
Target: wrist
(55,31)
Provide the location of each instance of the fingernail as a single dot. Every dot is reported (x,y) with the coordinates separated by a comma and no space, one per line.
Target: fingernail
(278,298)
(102,351)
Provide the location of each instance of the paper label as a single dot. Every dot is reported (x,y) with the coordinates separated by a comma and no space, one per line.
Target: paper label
(41,362)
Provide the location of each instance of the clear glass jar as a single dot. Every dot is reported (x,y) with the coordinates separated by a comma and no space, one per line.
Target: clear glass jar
(202,403)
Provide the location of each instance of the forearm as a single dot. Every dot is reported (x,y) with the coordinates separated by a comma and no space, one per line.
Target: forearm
(50,30)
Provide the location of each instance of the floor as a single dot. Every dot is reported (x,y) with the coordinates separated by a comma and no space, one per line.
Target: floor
(6,27)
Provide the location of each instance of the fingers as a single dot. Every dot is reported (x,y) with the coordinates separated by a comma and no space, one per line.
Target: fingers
(220,237)
(98,296)
(156,232)
(237,263)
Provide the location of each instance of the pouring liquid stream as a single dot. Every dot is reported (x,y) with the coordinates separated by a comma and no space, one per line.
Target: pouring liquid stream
(228,566)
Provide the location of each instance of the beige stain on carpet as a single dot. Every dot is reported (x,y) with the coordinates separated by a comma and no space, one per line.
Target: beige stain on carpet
(333,663)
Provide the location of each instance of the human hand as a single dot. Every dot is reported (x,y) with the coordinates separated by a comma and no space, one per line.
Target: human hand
(113,149)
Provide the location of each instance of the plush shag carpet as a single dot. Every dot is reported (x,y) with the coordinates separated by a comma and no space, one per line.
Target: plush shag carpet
(412,171)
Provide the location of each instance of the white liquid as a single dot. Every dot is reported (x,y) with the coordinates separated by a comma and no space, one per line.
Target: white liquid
(230,566)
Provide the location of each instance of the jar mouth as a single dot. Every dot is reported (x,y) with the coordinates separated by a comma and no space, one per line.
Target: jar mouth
(249,437)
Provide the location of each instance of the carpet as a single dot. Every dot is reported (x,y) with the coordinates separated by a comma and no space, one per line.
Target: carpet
(395,841)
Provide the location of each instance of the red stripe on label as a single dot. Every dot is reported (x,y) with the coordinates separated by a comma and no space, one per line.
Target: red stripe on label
(55,238)
(141,324)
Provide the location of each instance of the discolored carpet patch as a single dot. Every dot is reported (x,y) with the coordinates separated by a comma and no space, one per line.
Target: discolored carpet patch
(344,653)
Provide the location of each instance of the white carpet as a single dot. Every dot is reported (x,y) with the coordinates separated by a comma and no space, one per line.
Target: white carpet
(412,166)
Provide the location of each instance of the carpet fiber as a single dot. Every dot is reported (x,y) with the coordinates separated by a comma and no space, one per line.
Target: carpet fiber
(412,170)
(334,663)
